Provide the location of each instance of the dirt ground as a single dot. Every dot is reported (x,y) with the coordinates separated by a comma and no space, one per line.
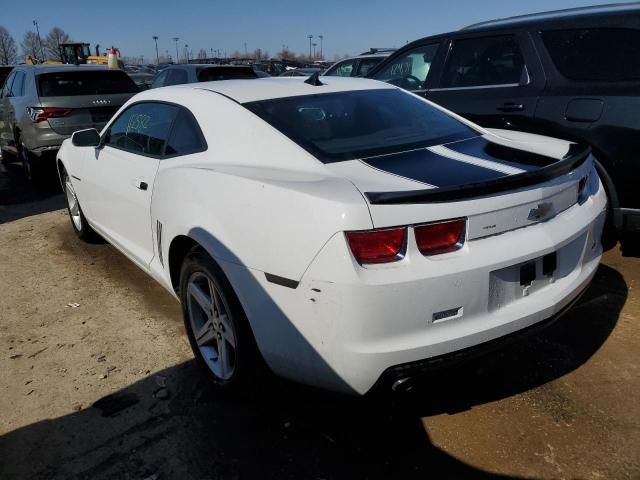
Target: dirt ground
(97,381)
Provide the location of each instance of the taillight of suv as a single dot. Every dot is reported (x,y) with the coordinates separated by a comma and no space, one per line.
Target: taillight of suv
(40,114)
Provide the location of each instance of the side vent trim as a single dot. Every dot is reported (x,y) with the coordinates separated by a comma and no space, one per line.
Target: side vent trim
(285,282)
(159,241)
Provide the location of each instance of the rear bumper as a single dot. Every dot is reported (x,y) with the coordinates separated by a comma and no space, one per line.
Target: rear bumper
(400,377)
(343,325)
(40,139)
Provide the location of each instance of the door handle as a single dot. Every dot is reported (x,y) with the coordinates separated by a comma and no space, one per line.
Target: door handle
(511,107)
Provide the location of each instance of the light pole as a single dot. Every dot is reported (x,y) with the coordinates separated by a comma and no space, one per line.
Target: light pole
(175,39)
(309,37)
(155,39)
(35,22)
(314,49)
(186,52)
(321,37)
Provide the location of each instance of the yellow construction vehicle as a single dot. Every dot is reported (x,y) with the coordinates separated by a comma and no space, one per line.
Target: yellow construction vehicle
(79,53)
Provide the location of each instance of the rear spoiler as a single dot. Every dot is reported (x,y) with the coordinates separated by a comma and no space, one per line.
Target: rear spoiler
(575,156)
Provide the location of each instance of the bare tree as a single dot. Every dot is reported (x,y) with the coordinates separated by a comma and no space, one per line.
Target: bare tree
(30,45)
(8,50)
(52,41)
(202,54)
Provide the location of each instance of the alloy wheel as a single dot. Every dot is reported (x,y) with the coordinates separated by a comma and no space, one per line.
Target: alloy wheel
(212,325)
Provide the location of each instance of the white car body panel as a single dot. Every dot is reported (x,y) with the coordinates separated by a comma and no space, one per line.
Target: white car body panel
(259,204)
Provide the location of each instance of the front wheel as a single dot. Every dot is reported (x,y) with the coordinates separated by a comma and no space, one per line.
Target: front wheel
(216,325)
(78,221)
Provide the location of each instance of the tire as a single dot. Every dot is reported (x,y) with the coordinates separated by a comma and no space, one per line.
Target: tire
(78,221)
(29,166)
(217,327)
(630,243)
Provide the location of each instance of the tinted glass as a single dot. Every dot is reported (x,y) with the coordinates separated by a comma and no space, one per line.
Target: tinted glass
(225,73)
(410,69)
(17,87)
(605,54)
(7,85)
(483,61)
(367,64)
(159,80)
(358,124)
(185,137)
(176,76)
(343,69)
(142,128)
(90,82)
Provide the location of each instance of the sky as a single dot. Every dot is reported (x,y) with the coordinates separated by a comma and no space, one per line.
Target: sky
(348,27)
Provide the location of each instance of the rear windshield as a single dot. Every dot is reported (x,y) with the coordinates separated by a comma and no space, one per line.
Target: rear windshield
(94,82)
(225,73)
(359,124)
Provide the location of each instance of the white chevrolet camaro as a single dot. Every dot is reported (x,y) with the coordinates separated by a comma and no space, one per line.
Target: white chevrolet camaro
(343,231)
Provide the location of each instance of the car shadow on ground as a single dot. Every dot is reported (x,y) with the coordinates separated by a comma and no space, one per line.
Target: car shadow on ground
(172,424)
(19,198)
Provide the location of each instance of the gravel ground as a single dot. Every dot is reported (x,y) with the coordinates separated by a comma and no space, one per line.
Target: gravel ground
(97,381)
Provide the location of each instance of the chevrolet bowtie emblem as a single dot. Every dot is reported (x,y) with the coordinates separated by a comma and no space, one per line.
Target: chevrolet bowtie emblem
(541,211)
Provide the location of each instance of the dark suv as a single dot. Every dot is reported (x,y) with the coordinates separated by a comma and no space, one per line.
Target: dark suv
(572,74)
(41,105)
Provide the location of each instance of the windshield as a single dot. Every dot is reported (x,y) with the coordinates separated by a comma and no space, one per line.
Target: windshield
(90,82)
(360,124)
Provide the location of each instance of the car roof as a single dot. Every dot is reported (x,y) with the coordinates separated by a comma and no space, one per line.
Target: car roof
(205,65)
(243,91)
(543,17)
(53,68)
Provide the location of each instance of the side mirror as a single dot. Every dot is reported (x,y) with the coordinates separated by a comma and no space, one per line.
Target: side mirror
(86,138)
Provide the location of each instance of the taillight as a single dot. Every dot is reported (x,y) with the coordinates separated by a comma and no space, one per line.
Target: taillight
(40,114)
(377,246)
(442,237)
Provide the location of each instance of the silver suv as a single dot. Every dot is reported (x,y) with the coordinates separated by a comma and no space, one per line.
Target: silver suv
(41,105)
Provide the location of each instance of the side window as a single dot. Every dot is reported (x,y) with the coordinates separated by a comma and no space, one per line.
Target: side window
(410,70)
(176,76)
(342,69)
(478,62)
(186,136)
(367,64)
(17,88)
(7,85)
(601,54)
(160,80)
(142,128)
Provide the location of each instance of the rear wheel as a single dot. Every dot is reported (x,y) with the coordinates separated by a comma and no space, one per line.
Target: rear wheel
(216,324)
(78,221)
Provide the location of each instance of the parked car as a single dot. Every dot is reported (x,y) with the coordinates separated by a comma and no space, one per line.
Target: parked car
(359,66)
(41,105)
(346,232)
(301,72)
(193,73)
(571,74)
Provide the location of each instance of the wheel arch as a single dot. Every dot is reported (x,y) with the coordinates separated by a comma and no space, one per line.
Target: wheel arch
(180,246)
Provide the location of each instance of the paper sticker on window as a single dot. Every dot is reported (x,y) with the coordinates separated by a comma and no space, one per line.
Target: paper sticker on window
(138,122)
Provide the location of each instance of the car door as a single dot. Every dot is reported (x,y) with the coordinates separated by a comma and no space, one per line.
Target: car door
(7,116)
(493,79)
(118,180)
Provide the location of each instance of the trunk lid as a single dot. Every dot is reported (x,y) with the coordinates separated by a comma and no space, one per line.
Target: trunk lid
(499,181)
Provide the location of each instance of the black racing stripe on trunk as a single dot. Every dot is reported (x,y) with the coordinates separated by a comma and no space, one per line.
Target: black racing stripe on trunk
(480,147)
(428,167)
